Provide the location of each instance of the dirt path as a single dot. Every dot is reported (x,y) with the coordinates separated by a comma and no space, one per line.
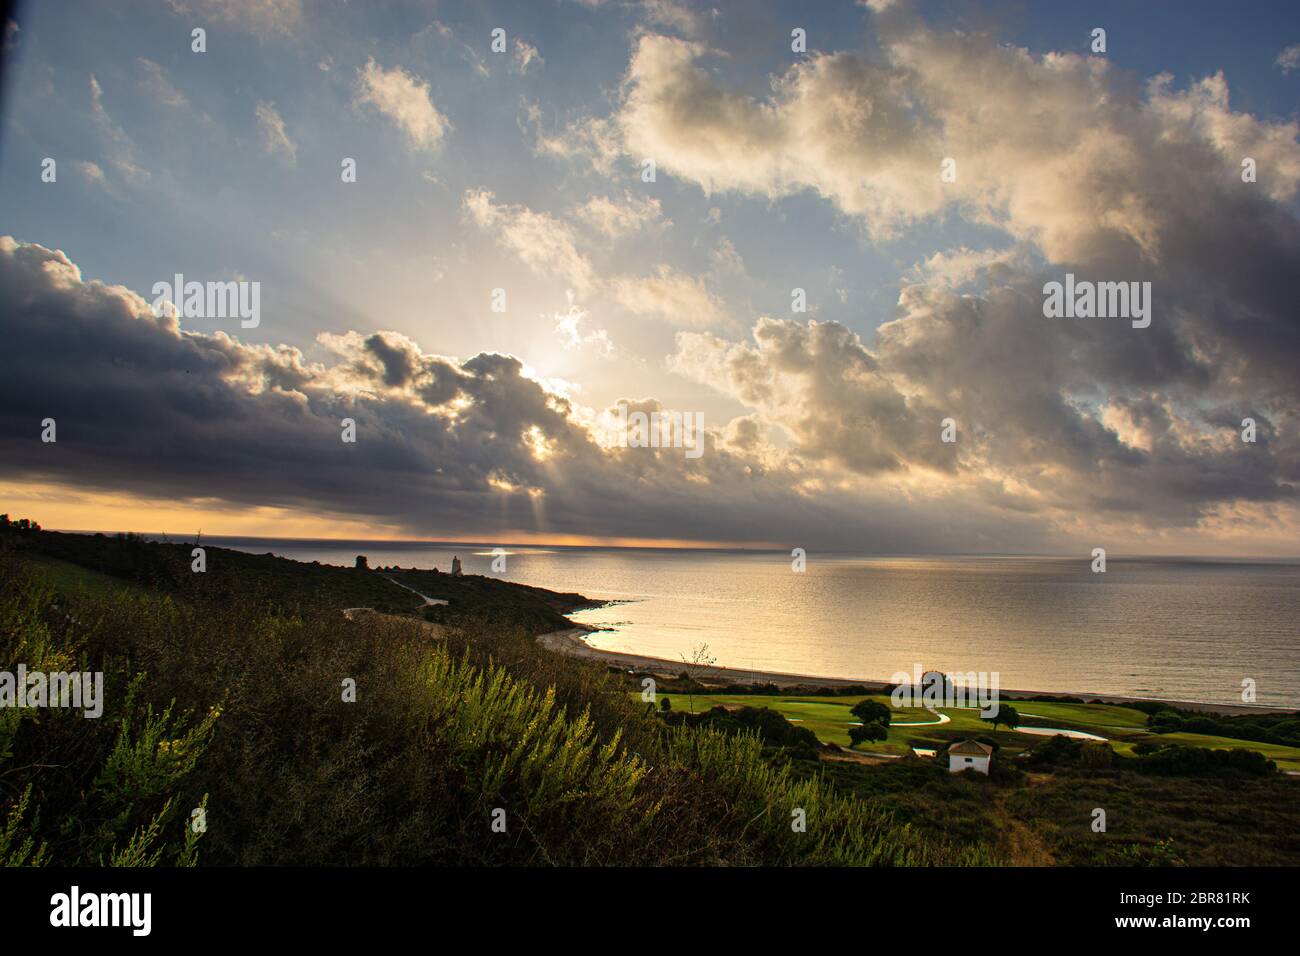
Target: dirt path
(427,600)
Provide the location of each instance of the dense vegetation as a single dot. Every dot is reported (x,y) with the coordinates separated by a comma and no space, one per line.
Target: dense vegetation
(772,730)
(1043,816)
(480,601)
(229,575)
(1265,728)
(239,707)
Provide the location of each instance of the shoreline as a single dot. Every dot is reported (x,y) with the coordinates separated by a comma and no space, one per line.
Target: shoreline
(572,642)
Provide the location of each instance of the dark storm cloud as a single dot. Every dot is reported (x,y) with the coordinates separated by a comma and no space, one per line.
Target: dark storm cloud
(143,406)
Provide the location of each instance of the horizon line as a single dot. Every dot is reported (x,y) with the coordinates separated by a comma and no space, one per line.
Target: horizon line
(643,544)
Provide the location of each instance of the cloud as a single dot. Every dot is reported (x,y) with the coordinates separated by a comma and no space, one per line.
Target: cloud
(1081,168)
(440,442)
(93,173)
(569,327)
(274,137)
(1289,59)
(156,82)
(679,299)
(120,150)
(404,99)
(440,438)
(1059,150)
(837,124)
(595,141)
(547,245)
(825,389)
(673,15)
(614,217)
(1084,424)
(525,56)
(256,16)
(726,258)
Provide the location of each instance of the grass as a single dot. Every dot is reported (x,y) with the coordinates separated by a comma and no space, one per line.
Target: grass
(829,718)
(73,578)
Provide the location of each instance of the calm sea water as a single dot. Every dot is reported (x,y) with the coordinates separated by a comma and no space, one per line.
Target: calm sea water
(1179,629)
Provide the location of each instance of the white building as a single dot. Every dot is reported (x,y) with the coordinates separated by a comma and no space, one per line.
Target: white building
(969,755)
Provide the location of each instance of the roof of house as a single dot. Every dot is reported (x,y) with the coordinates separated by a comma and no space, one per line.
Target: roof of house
(971,747)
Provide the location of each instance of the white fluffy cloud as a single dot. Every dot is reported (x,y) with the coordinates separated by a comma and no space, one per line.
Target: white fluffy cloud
(1055,149)
(678,299)
(546,244)
(840,125)
(618,217)
(404,99)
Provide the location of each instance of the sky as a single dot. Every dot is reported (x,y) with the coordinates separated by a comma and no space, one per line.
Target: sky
(504,274)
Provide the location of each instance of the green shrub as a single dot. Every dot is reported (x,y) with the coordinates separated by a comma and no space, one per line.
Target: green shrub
(105,791)
(862,733)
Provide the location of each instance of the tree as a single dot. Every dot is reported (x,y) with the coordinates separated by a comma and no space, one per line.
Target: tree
(871,711)
(1005,715)
(665,704)
(700,661)
(867,731)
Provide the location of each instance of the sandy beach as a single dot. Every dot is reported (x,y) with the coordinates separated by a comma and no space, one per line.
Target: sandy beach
(573,642)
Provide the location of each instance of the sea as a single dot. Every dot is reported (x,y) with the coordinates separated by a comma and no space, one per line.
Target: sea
(1210,630)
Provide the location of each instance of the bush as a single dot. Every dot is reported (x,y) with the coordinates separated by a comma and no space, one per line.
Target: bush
(1179,761)
(865,732)
(1096,755)
(1057,750)
(872,711)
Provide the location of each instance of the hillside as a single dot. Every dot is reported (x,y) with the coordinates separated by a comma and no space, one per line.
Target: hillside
(94,560)
(303,737)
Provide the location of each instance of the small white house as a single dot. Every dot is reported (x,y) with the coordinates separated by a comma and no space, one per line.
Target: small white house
(969,755)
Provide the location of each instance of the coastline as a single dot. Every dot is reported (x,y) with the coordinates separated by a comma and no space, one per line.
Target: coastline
(572,642)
